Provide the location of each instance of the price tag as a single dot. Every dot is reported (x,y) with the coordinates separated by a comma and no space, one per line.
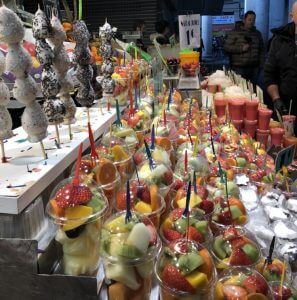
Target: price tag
(284,157)
(189,31)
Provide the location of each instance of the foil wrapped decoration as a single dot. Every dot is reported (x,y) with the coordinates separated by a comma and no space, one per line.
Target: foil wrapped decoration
(18,61)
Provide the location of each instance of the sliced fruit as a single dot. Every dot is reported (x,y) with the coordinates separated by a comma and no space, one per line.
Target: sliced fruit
(234,292)
(117,225)
(171,235)
(237,202)
(173,278)
(119,153)
(255,284)
(167,224)
(164,142)
(194,201)
(143,207)
(57,211)
(239,258)
(256,296)
(201,226)
(235,211)
(208,266)
(128,251)
(251,251)
(197,280)
(219,295)
(218,247)
(154,197)
(181,225)
(105,172)
(139,237)
(76,216)
(195,235)
(189,262)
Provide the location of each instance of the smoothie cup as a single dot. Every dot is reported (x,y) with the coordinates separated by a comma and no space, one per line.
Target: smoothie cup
(289,122)
(220,107)
(174,264)
(264,116)
(236,108)
(277,135)
(78,211)
(251,108)
(212,88)
(250,127)
(129,249)
(262,136)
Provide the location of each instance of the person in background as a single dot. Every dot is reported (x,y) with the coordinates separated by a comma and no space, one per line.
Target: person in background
(280,70)
(238,25)
(139,26)
(246,49)
(162,30)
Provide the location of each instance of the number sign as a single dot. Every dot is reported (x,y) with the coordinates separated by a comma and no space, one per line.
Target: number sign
(189,31)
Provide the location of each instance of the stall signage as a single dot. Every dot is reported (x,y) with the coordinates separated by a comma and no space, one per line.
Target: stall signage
(189,31)
(284,157)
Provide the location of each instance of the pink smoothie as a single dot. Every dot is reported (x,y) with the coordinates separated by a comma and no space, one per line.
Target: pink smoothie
(251,109)
(264,115)
(262,136)
(250,127)
(220,107)
(277,135)
(236,108)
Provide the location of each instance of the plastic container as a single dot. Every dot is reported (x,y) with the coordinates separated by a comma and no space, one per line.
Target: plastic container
(250,127)
(220,107)
(198,276)
(189,63)
(277,135)
(78,211)
(251,109)
(289,123)
(236,108)
(129,249)
(264,116)
(262,136)
(286,292)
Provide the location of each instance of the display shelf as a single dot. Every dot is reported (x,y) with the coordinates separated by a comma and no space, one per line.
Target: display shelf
(29,174)
(189,83)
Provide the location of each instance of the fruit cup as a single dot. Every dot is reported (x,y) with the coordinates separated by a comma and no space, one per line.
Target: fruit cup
(78,211)
(262,136)
(277,135)
(264,116)
(185,270)
(129,249)
(289,123)
(144,200)
(175,226)
(250,127)
(232,247)
(120,91)
(283,292)
(236,109)
(251,109)
(241,284)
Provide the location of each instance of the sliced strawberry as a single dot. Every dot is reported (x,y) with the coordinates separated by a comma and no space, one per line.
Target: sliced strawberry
(239,258)
(207,206)
(153,234)
(143,193)
(195,235)
(177,213)
(230,233)
(138,157)
(255,284)
(168,178)
(171,235)
(234,292)
(225,218)
(121,197)
(178,184)
(173,278)
(238,242)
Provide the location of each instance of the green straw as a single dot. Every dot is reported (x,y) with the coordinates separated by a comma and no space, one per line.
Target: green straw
(79,9)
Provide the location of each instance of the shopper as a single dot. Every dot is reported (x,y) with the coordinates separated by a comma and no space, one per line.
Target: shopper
(245,47)
(139,26)
(162,30)
(280,71)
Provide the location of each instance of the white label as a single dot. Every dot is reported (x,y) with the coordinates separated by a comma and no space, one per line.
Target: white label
(189,31)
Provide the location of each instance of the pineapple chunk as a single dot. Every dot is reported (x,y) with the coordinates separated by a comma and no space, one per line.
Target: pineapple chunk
(76,216)
(194,201)
(143,207)
(197,280)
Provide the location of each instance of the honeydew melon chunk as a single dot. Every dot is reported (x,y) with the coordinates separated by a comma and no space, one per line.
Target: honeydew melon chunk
(139,237)
(145,269)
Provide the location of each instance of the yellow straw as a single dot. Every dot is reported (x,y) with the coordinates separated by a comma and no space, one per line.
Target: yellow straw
(195,150)
(282,280)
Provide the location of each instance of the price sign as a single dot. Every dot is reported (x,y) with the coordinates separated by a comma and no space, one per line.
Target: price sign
(284,157)
(189,31)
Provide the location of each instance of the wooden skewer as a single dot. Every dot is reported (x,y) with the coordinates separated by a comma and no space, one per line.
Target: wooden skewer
(3,152)
(70,132)
(100,107)
(88,114)
(57,134)
(43,150)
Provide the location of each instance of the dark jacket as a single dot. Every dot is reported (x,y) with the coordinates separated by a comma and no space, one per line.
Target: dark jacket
(281,65)
(254,56)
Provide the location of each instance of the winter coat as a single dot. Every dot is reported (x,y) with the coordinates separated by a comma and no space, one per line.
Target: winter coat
(281,65)
(253,57)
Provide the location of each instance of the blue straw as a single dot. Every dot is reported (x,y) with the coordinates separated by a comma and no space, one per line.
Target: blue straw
(128,209)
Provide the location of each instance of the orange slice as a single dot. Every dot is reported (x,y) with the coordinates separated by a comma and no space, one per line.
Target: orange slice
(105,172)
(154,197)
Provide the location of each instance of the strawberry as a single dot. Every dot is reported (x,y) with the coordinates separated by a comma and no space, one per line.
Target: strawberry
(225,218)
(121,197)
(86,167)
(143,193)
(178,184)
(194,235)
(232,292)
(239,258)
(230,233)
(153,234)
(255,284)
(202,192)
(238,242)
(73,195)
(286,293)
(173,278)
(138,157)
(177,213)
(207,206)
(168,178)
(171,235)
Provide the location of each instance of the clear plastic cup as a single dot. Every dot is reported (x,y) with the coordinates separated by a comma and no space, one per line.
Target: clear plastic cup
(220,107)
(289,122)
(277,135)
(250,127)
(262,136)
(129,250)
(251,110)
(236,109)
(120,92)
(78,211)
(241,283)
(190,263)
(264,116)
(284,292)
(144,200)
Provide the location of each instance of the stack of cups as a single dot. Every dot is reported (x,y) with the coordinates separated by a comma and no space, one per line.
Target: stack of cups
(277,135)
(236,111)
(264,115)
(220,104)
(251,117)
